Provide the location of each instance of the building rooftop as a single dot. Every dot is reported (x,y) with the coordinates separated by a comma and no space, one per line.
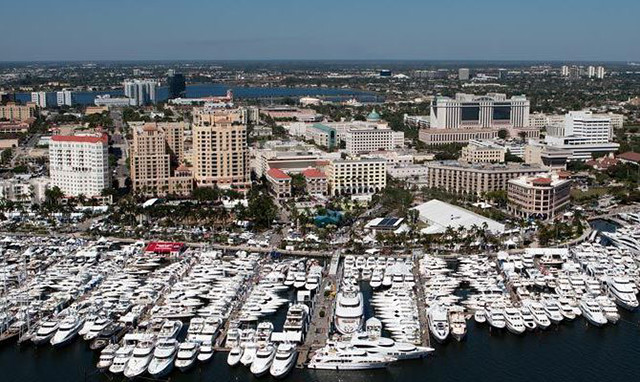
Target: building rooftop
(102,138)
(441,215)
(313,173)
(276,173)
(630,156)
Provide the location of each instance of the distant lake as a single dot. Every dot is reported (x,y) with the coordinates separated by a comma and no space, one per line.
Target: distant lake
(205,90)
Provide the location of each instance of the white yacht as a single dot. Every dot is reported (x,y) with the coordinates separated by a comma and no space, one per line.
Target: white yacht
(592,311)
(622,290)
(609,309)
(45,332)
(349,313)
(94,330)
(347,358)
(106,356)
(376,279)
(170,329)
(67,331)
(374,344)
(206,352)
(249,353)
(553,311)
(120,359)
(527,319)
(263,359)
(187,355)
(234,356)
(458,323)
(514,321)
(163,357)
(284,361)
(537,311)
(140,359)
(495,316)
(480,316)
(438,323)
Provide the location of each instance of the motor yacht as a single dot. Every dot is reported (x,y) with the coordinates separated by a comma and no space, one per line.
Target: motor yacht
(107,356)
(249,353)
(284,360)
(263,359)
(495,316)
(609,309)
(438,323)
(187,355)
(552,310)
(622,290)
(514,321)
(234,356)
(45,332)
(163,357)
(140,359)
(67,331)
(94,330)
(527,319)
(120,359)
(592,311)
(170,329)
(349,312)
(537,311)
(480,316)
(206,352)
(458,323)
(347,358)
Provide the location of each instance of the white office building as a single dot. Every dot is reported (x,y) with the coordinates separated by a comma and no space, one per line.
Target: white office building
(600,72)
(141,92)
(584,134)
(63,98)
(79,164)
(39,98)
(360,176)
(365,139)
(469,111)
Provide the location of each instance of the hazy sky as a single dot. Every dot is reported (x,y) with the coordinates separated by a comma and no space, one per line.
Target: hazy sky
(328,29)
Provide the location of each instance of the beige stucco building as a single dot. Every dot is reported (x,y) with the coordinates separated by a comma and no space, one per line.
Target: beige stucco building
(359,176)
(541,196)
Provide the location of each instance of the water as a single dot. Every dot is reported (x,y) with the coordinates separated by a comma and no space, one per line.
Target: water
(573,351)
(205,90)
(603,225)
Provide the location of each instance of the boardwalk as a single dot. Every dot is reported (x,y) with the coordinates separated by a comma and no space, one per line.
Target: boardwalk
(422,305)
(321,316)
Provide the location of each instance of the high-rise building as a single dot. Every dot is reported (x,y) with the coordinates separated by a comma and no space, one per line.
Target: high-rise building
(539,197)
(583,133)
(220,152)
(591,71)
(463,74)
(141,92)
(177,85)
(79,164)
(39,98)
(14,112)
(63,98)
(153,149)
(600,72)
(565,71)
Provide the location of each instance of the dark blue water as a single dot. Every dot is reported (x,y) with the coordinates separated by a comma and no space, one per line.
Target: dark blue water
(205,90)
(603,225)
(571,352)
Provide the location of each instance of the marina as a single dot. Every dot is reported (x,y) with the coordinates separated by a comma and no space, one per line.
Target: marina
(137,312)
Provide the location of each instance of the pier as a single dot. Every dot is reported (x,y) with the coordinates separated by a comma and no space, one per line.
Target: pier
(422,305)
(322,314)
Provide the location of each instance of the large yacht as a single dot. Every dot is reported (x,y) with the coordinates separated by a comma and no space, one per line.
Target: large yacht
(347,358)
(140,359)
(263,359)
(349,314)
(234,356)
(107,356)
(458,323)
(67,331)
(592,311)
(537,311)
(120,359)
(624,238)
(163,357)
(552,309)
(373,343)
(514,321)
(187,354)
(438,323)
(622,290)
(495,316)
(284,360)
(45,332)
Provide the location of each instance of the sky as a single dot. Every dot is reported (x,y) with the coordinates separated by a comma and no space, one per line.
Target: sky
(540,30)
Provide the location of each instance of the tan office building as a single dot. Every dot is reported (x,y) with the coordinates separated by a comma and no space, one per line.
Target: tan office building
(151,150)
(460,178)
(13,112)
(220,152)
(360,176)
(473,153)
(539,197)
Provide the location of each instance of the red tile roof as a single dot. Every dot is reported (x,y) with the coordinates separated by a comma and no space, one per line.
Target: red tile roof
(544,181)
(276,173)
(630,156)
(81,138)
(313,173)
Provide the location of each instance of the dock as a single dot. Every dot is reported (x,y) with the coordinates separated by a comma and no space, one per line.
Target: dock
(320,325)
(422,304)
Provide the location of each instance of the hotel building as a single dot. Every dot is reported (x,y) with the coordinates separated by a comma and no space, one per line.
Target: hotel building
(140,92)
(363,176)
(540,197)
(460,178)
(79,164)
(220,152)
(279,183)
(13,112)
